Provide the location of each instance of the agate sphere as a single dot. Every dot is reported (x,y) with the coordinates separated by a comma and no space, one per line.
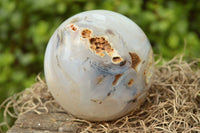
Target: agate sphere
(99,65)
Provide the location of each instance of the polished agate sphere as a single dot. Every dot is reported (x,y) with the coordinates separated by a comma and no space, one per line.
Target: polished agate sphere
(99,65)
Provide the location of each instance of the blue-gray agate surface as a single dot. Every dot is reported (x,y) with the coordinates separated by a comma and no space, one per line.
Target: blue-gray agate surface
(99,65)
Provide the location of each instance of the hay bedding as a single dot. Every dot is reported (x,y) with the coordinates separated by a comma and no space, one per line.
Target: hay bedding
(173,103)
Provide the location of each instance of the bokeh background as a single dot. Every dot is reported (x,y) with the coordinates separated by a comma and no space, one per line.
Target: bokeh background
(27,25)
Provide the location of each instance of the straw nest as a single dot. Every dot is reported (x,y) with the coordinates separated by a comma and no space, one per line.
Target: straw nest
(173,103)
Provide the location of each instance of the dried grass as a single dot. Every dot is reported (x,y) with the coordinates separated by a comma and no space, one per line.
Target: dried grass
(173,103)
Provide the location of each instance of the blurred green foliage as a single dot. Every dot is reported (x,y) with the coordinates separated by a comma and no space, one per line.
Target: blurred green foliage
(27,25)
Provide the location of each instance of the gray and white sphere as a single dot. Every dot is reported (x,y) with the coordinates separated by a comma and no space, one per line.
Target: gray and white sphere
(99,65)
